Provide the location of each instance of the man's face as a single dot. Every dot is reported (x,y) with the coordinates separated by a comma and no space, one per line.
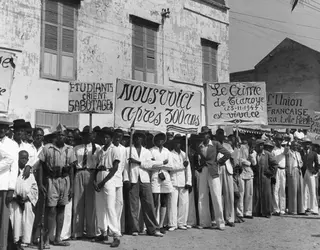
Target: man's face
(23,159)
(278,142)
(117,139)
(177,145)
(205,136)
(138,139)
(38,136)
(60,139)
(220,137)
(87,138)
(19,134)
(159,142)
(259,148)
(70,138)
(107,139)
(3,130)
(308,146)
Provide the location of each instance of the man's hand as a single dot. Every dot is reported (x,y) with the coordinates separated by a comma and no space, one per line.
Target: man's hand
(185,164)
(70,195)
(9,197)
(236,195)
(188,187)
(101,185)
(95,186)
(26,172)
(127,184)
(43,190)
(131,160)
(165,162)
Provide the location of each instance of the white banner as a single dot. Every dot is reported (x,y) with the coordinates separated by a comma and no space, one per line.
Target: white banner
(236,103)
(6,75)
(156,107)
(95,97)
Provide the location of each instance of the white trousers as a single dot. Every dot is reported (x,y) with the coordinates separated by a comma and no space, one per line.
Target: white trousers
(106,210)
(245,201)
(178,208)
(227,188)
(279,194)
(67,223)
(119,205)
(206,182)
(22,221)
(310,183)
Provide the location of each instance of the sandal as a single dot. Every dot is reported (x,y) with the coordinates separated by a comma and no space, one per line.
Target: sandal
(46,246)
(61,243)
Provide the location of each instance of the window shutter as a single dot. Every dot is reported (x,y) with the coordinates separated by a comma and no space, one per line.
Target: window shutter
(209,61)
(46,119)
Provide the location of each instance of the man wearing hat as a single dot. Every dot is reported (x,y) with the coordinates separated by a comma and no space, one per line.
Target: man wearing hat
(311,166)
(279,194)
(295,180)
(264,168)
(8,178)
(57,161)
(137,177)
(182,185)
(84,210)
(209,177)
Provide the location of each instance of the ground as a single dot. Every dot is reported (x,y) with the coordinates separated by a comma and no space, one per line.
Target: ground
(285,232)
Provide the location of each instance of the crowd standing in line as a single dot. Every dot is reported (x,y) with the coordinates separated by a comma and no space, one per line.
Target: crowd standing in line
(94,185)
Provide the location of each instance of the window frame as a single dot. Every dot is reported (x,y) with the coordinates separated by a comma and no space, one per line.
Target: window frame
(213,46)
(145,24)
(59,51)
(57,113)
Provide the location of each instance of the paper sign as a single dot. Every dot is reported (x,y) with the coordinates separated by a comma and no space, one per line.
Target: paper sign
(289,110)
(156,107)
(236,103)
(92,97)
(6,74)
(315,123)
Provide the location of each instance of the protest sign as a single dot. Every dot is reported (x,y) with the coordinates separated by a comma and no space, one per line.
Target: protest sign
(289,110)
(156,107)
(315,123)
(236,103)
(93,97)
(6,74)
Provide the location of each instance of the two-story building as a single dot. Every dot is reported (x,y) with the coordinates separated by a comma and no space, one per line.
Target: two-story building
(181,43)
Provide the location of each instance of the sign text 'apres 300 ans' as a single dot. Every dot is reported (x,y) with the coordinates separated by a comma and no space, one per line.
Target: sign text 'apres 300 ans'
(176,103)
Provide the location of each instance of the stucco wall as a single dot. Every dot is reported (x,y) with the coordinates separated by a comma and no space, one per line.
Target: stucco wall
(104,49)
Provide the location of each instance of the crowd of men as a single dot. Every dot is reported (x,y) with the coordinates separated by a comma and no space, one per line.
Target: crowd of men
(72,184)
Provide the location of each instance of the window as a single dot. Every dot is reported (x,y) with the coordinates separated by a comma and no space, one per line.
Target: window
(144,50)
(47,119)
(209,61)
(58,57)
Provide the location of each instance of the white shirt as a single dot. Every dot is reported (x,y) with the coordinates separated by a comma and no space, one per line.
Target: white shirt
(27,188)
(181,177)
(134,171)
(278,153)
(92,159)
(106,159)
(8,164)
(119,174)
(36,152)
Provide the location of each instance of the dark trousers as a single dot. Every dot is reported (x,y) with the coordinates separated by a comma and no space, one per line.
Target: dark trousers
(4,220)
(144,192)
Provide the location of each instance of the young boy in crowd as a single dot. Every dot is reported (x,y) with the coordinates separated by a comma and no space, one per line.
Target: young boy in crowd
(21,208)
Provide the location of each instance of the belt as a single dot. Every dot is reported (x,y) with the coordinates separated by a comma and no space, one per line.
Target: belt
(100,169)
(83,169)
(281,168)
(57,172)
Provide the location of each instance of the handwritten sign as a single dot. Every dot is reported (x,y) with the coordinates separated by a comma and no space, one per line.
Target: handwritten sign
(6,74)
(289,110)
(315,123)
(155,107)
(93,97)
(236,103)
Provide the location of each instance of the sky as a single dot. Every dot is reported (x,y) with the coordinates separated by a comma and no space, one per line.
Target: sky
(258,26)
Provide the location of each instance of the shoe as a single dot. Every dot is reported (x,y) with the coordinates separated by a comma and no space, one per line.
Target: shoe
(171,229)
(115,243)
(188,226)
(18,246)
(276,214)
(268,216)
(163,230)
(182,228)
(100,238)
(135,234)
(221,227)
(158,234)
(308,210)
(248,217)
(230,224)
(303,214)
(199,227)
(314,213)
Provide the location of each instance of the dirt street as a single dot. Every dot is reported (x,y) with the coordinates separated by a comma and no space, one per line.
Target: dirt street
(286,232)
